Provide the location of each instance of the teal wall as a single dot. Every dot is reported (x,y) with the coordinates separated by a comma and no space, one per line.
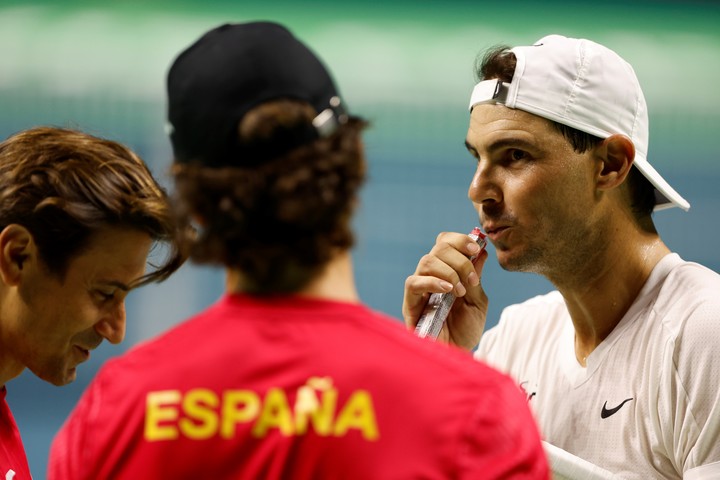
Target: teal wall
(407,67)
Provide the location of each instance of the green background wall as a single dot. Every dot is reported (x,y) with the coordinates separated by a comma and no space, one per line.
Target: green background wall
(407,67)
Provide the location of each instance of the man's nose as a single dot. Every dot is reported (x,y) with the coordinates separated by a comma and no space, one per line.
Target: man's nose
(112,326)
(484,188)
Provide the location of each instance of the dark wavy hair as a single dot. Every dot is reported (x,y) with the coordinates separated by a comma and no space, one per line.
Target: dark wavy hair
(499,62)
(279,221)
(65,185)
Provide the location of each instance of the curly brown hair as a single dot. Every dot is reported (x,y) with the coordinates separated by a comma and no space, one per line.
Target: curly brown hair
(65,185)
(499,62)
(279,221)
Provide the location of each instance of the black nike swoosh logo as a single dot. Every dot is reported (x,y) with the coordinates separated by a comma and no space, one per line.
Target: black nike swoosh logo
(605,413)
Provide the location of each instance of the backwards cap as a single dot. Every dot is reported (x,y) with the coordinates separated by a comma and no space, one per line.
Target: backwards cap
(586,86)
(230,70)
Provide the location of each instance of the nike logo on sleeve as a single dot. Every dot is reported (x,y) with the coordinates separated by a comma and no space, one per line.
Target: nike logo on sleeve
(607,412)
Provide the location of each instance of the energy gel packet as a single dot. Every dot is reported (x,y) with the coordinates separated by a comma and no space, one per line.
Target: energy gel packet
(439,304)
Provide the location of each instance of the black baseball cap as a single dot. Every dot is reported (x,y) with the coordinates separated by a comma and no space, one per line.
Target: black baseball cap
(230,70)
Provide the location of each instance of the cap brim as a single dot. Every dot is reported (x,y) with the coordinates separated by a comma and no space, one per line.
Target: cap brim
(665,195)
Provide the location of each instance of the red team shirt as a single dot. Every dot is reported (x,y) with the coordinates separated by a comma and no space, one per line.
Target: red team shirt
(302,389)
(13,461)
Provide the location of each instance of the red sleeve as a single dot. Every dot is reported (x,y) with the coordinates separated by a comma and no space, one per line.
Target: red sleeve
(502,441)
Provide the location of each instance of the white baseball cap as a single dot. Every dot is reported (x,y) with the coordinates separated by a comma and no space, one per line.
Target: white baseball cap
(583,85)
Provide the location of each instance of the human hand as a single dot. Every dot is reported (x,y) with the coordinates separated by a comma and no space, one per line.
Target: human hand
(448,268)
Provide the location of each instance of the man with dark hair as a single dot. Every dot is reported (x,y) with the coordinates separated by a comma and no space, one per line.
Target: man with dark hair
(620,362)
(78,215)
(288,375)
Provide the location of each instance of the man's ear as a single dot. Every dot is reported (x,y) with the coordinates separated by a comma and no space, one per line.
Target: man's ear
(617,153)
(17,247)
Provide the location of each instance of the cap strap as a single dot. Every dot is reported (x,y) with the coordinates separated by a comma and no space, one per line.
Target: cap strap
(327,122)
(489,91)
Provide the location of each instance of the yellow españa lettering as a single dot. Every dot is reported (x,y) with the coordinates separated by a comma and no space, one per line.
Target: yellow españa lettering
(200,421)
(159,407)
(318,413)
(201,413)
(239,406)
(358,413)
(275,413)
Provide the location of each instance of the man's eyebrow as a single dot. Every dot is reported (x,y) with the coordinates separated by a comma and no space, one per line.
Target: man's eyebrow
(116,284)
(470,148)
(501,143)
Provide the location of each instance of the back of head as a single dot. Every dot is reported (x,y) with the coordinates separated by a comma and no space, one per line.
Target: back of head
(582,86)
(267,161)
(65,185)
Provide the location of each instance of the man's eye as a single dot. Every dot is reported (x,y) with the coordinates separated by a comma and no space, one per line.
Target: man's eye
(106,296)
(518,154)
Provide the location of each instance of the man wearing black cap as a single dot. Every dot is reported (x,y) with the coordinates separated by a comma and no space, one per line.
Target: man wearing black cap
(620,363)
(288,375)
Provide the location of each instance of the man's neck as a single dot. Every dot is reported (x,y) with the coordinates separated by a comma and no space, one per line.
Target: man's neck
(335,282)
(10,365)
(599,298)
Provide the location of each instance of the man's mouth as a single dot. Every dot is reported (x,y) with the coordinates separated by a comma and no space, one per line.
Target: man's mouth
(494,231)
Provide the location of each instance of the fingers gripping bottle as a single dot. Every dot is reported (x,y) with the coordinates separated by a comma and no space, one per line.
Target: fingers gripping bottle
(439,304)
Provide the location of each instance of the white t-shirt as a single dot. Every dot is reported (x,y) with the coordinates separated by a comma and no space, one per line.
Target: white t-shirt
(648,403)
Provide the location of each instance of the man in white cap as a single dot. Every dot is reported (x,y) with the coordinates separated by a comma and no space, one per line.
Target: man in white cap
(620,364)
